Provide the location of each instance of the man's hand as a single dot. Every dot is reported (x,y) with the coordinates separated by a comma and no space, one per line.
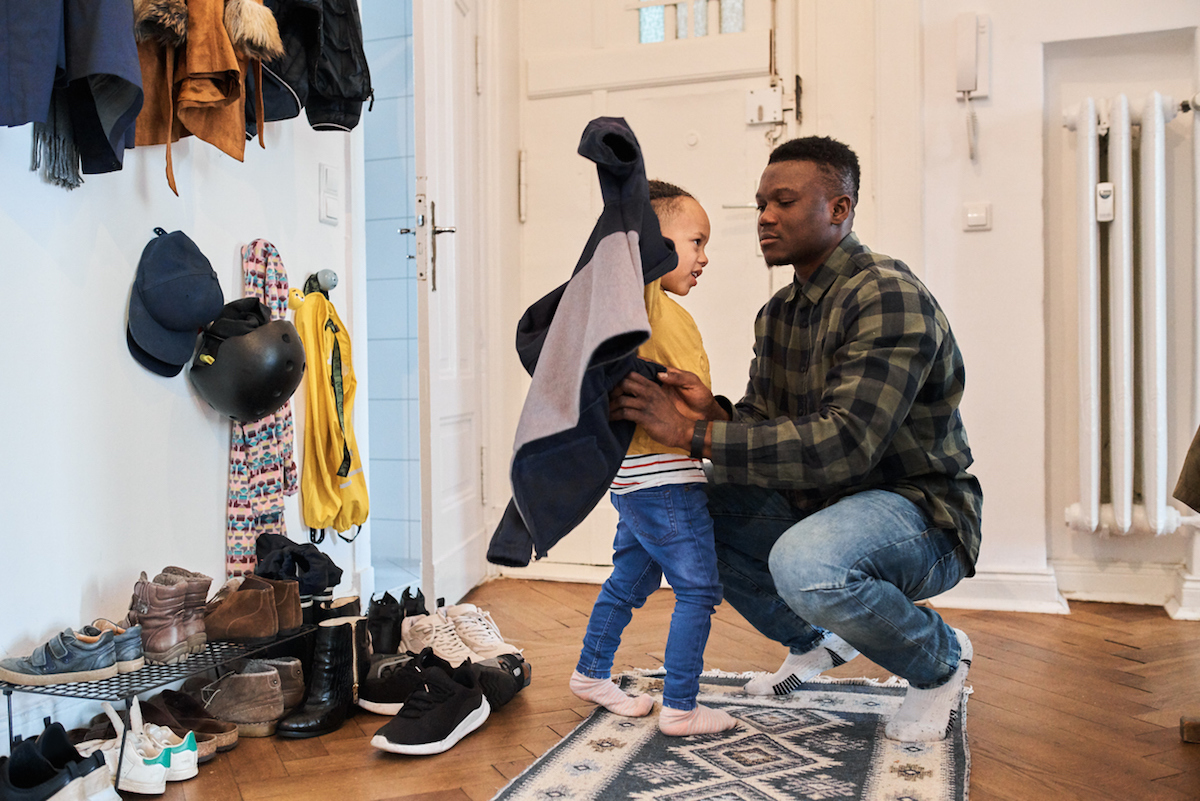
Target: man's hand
(668,413)
(692,398)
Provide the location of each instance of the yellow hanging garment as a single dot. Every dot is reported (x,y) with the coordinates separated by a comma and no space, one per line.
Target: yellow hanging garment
(333,488)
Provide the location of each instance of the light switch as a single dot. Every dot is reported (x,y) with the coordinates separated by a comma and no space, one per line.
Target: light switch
(329,194)
(977,216)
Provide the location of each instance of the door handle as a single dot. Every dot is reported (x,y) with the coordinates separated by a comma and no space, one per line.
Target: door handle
(448,229)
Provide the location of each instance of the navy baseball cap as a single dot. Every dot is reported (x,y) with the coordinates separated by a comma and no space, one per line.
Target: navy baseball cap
(175,294)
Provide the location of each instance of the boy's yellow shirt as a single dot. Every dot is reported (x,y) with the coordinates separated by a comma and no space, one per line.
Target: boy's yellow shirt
(674,341)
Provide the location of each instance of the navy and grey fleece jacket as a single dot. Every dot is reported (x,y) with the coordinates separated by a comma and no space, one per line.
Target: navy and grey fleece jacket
(578,342)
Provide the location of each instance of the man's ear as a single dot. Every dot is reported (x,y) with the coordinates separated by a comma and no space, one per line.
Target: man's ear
(842,209)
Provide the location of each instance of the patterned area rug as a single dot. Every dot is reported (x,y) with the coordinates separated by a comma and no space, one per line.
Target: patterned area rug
(823,742)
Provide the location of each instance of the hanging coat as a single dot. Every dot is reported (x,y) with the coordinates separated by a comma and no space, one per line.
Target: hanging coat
(194,56)
(578,342)
(333,488)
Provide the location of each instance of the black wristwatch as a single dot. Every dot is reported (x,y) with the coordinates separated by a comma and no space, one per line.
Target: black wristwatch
(698,439)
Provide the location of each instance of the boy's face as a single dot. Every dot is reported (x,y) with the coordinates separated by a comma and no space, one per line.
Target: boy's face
(688,228)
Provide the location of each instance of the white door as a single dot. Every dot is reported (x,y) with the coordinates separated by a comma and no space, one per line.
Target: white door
(685,96)
(448,247)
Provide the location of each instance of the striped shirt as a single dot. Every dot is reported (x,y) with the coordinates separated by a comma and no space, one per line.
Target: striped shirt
(855,384)
(656,470)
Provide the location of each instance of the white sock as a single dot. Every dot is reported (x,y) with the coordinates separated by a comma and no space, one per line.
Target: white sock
(828,653)
(701,720)
(608,695)
(926,715)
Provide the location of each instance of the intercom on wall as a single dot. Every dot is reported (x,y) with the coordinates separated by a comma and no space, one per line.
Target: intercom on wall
(973,55)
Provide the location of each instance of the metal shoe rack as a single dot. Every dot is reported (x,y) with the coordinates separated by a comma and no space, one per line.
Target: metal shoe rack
(125,686)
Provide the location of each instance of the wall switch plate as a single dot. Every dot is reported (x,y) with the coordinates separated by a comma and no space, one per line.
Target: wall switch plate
(977,216)
(329,194)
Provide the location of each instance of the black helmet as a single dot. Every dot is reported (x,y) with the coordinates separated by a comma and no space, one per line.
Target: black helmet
(248,365)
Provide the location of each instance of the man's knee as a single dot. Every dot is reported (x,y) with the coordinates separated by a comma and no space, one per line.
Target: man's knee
(801,562)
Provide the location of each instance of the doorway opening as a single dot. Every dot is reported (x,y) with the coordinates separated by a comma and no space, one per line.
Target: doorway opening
(392,292)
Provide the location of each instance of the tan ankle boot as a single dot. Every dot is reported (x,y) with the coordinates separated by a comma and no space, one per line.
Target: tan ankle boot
(242,611)
(287,604)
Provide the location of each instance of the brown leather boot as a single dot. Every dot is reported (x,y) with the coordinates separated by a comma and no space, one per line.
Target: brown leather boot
(196,597)
(158,607)
(287,604)
(242,611)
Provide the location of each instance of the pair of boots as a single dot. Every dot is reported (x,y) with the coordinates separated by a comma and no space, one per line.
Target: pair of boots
(339,665)
(385,616)
(170,610)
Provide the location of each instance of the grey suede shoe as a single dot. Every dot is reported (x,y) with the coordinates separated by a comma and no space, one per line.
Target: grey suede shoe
(66,657)
(251,698)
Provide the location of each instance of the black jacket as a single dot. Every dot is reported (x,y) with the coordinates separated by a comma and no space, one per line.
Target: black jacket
(578,342)
(323,69)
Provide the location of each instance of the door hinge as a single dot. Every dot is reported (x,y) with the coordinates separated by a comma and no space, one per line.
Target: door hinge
(483,475)
(478,66)
(522,186)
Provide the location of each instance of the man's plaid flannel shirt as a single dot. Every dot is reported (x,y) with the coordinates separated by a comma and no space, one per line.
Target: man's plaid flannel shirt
(855,385)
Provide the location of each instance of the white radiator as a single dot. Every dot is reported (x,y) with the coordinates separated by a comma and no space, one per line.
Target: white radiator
(1142,442)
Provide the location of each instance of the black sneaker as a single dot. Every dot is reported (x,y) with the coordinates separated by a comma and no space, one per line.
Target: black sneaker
(436,716)
(26,775)
(383,622)
(502,677)
(389,683)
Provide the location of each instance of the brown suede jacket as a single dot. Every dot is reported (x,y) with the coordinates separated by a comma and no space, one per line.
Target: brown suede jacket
(194,56)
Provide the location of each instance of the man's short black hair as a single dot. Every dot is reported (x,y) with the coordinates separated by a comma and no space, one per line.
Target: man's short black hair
(666,198)
(835,159)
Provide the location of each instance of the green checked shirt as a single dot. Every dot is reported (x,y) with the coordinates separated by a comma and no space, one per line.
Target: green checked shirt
(855,385)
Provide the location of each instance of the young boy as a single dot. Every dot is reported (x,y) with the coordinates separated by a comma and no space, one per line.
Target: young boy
(664,525)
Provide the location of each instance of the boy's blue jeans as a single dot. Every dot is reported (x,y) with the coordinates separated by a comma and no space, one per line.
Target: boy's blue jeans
(854,568)
(662,530)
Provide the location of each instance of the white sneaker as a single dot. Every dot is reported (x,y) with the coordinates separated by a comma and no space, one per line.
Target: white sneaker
(144,767)
(183,761)
(478,631)
(418,632)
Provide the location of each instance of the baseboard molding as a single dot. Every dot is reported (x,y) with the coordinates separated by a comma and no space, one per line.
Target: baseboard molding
(1185,603)
(1145,584)
(545,570)
(1007,591)
(998,590)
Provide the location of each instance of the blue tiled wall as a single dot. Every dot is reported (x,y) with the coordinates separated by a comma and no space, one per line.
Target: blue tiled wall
(391,282)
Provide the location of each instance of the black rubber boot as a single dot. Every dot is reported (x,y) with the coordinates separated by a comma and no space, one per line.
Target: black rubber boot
(339,665)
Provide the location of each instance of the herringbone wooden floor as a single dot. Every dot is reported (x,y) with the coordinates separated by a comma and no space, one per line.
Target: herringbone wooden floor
(1079,706)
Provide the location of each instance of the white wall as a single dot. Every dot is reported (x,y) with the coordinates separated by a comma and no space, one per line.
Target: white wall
(108,468)
(993,284)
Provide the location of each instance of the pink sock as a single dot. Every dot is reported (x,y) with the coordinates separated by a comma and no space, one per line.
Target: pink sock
(701,720)
(610,696)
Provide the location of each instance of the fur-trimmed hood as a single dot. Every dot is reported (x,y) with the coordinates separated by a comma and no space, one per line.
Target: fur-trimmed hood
(252,29)
(163,21)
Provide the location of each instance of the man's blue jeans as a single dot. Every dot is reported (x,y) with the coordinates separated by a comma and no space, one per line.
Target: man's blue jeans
(662,530)
(854,568)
